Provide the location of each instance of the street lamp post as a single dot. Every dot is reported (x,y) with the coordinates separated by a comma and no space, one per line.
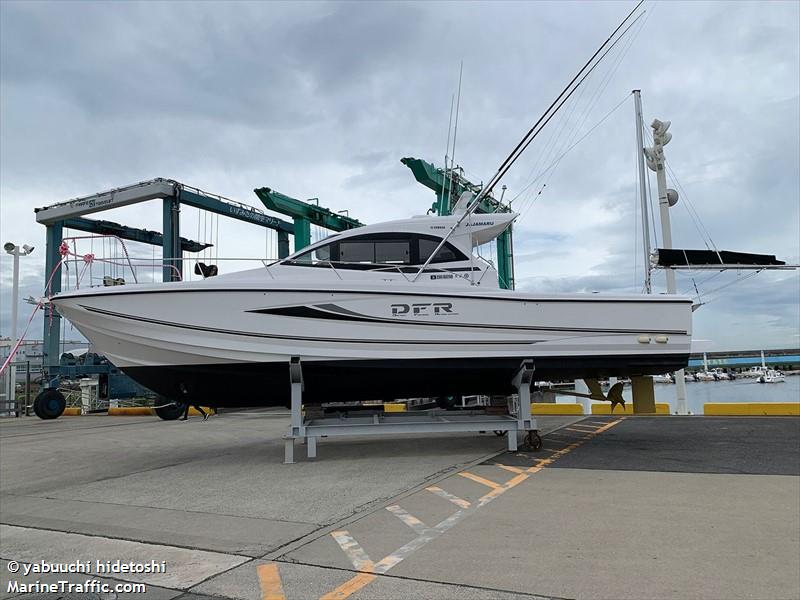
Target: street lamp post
(16,252)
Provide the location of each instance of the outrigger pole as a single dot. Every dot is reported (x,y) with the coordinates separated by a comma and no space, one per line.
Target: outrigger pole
(548,114)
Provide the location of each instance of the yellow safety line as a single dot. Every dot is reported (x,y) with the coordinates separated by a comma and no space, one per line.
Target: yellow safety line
(481,480)
(270,580)
(407,518)
(609,425)
(350,587)
(513,482)
(565,438)
(577,430)
(366,576)
(360,559)
(508,468)
(460,502)
(586,428)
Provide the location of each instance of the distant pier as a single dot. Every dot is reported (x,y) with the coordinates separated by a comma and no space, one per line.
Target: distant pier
(787,359)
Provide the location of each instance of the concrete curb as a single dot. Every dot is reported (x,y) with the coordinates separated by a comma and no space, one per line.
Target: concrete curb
(662,408)
(752,409)
(556,409)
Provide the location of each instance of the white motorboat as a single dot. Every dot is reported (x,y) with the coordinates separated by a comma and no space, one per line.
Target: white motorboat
(720,375)
(704,376)
(771,376)
(755,372)
(369,322)
(665,378)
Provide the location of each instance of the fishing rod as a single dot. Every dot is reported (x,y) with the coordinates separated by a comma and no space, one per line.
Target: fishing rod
(532,132)
(548,114)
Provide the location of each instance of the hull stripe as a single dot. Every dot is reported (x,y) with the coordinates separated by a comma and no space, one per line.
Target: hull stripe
(310,339)
(337,313)
(386,293)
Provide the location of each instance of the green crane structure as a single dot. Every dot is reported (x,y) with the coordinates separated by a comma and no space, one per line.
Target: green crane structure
(448,186)
(304,215)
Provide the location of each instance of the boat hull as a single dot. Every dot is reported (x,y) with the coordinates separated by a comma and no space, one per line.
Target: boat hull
(266,384)
(231,347)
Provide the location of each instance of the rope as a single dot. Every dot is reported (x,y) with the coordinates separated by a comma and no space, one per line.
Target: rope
(596,95)
(13,352)
(39,305)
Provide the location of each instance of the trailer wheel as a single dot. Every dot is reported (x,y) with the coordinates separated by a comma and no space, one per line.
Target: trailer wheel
(49,404)
(168,410)
(534,441)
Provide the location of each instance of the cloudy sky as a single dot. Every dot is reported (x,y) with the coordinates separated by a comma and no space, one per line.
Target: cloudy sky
(324,99)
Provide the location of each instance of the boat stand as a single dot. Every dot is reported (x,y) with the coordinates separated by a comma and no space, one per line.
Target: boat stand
(519,420)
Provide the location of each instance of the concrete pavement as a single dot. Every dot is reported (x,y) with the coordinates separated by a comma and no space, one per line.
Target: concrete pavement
(639,507)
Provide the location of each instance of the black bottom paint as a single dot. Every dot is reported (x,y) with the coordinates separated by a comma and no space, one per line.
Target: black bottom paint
(267,384)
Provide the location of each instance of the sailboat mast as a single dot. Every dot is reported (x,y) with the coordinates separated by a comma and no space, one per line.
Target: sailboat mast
(643,191)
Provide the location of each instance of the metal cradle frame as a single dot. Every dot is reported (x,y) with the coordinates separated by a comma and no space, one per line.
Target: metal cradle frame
(518,421)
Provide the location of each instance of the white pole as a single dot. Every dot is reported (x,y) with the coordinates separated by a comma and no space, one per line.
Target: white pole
(666,228)
(582,388)
(642,190)
(666,238)
(11,390)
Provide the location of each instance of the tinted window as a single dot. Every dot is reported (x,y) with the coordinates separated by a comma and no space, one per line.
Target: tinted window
(446,254)
(379,251)
(356,252)
(321,254)
(393,252)
(381,248)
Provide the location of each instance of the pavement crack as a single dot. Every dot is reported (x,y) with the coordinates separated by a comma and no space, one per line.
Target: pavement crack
(127,539)
(145,506)
(424,580)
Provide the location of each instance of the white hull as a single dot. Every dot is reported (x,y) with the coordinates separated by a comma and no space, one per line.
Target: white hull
(772,377)
(192,324)
(176,324)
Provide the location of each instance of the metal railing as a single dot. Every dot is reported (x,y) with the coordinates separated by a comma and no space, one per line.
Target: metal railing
(81,265)
(11,404)
(389,268)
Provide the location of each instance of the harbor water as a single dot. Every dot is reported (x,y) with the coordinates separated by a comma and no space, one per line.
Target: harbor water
(738,390)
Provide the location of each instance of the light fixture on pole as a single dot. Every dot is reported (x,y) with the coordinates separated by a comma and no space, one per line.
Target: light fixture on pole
(16,252)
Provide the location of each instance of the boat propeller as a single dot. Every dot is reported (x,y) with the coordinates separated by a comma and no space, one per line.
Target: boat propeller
(596,393)
(614,394)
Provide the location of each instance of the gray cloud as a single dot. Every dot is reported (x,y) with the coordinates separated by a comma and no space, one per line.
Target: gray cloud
(323,99)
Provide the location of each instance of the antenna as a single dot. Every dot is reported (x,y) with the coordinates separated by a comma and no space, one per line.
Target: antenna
(446,151)
(540,124)
(642,190)
(455,134)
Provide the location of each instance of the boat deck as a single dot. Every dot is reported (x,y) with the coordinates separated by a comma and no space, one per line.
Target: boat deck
(623,507)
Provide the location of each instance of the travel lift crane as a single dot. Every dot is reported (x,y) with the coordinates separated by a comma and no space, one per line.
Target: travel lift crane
(50,403)
(304,215)
(448,186)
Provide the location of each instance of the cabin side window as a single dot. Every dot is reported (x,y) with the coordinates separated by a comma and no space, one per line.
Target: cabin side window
(393,252)
(376,251)
(321,254)
(448,253)
(384,248)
